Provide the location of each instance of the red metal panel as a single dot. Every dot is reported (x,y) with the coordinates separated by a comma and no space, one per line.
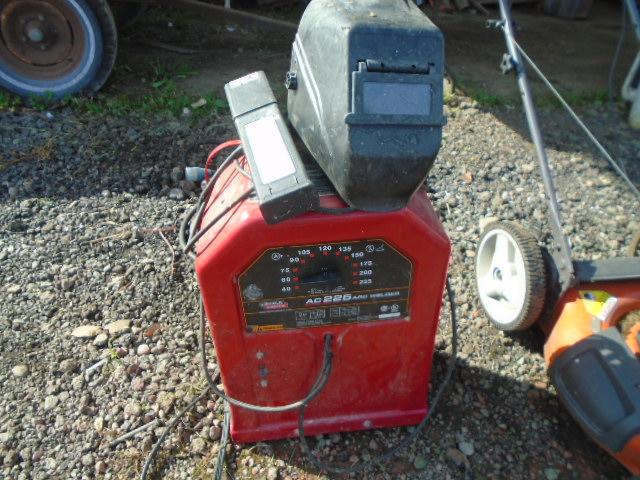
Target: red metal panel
(380,370)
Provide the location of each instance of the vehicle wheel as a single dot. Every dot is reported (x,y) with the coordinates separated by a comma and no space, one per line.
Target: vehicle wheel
(56,47)
(510,276)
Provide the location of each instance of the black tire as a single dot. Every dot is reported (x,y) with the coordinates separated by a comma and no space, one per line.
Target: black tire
(79,35)
(127,14)
(535,276)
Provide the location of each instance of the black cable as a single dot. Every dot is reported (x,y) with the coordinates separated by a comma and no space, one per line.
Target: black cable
(156,448)
(183,236)
(222,446)
(616,55)
(315,390)
(406,441)
(201,232)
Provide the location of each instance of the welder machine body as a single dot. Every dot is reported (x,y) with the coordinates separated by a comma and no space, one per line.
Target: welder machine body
(362,258)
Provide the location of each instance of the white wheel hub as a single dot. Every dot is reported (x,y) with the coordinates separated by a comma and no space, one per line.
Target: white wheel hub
(501,276)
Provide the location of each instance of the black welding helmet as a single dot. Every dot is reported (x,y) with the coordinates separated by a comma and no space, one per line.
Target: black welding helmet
(365,95)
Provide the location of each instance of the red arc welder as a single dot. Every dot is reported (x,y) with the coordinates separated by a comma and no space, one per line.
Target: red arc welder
(322,278)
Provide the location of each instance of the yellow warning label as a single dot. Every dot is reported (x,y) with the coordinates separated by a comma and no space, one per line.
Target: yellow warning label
(267,328)
(598,303)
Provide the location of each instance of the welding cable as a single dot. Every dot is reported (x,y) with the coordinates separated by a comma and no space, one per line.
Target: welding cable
(201,232)
(156,447)
(198,209)
(577,119)
(224,439)
(214,153)
(406,441)
(315,390)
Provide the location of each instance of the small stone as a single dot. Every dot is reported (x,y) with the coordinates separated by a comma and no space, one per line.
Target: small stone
(484,196)
(50,402)
(551,474)
(528,167)
(201,102)
(78,382)
(15,288)
(497,202)
(458,458)
(420,463)
(188,186)
(10,458)
(373,445)
(143,349)
(166,400)
(87,460)
(98,424)
(176,194)
(215,433)
(137,384)
(86,331)
(198,445)
(68,365)
(101,467)
(20,370)
(67,284)
(132,409)
(101,340)
(37,456)
(272,473)
(118,327)
(6,437)
(466,448)
(90,312)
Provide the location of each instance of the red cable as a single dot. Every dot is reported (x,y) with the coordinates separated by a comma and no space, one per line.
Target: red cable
(214,153)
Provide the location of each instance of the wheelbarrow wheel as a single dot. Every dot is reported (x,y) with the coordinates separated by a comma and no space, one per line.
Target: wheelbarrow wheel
(510,276)
(53,48)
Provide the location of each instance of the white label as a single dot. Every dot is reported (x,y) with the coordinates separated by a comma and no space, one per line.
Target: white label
(270,153)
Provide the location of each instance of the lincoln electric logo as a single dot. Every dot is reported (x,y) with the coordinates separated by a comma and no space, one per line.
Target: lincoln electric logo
(277,305)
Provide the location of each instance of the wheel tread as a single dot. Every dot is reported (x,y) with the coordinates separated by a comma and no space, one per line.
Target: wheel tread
(535,271)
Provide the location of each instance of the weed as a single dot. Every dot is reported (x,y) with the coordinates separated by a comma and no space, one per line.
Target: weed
(41,102)
(9,101)
(487,99)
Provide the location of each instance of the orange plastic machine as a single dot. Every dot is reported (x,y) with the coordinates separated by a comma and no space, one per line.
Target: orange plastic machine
(588,310)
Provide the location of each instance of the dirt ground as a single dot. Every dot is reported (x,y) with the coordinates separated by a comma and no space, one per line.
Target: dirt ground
(107,181)
(576,55)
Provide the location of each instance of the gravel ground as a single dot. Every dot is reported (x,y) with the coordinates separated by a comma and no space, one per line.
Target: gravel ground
(86,204)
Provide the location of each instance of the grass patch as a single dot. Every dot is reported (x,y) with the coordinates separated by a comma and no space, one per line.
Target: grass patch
(164,97)
(161,95)
(576,99)
(8,101)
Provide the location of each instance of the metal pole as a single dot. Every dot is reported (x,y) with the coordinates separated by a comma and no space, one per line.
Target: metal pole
(634,15)
(562,255)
